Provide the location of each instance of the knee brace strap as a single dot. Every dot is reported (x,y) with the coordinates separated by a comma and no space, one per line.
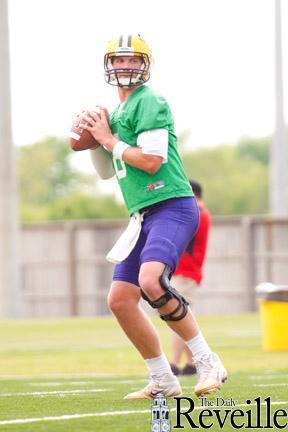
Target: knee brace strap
(170,293)
(161,301)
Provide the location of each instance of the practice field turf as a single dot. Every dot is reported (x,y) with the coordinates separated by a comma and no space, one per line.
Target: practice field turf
(71,375)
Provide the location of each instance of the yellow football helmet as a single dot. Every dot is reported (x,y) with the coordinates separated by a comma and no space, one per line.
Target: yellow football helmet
(127,46)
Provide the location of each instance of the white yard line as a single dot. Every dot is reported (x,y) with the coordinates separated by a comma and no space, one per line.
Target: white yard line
(72,416)
(271,376)
(55,392)
(271,385)
(82,383)
(110,413)
(55,376)
(128,381)
(107,379)
(60,383)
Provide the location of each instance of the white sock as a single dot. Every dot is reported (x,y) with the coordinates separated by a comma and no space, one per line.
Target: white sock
(158,365)
(198,346)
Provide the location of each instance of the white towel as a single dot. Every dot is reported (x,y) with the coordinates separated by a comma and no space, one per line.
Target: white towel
(128,239)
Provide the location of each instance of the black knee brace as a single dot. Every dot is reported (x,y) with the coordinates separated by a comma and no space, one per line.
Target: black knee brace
(170,293)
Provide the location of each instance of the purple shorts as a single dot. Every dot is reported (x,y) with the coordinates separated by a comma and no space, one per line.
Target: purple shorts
(167,229)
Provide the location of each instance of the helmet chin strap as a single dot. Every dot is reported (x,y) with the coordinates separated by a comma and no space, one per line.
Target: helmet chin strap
(130,81)
(127,81)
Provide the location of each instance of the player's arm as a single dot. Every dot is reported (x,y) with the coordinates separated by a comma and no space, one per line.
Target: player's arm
(102,162)
(150,153)
(151,150)
(134,157)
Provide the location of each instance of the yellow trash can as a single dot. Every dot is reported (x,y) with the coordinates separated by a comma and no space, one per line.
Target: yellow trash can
(273,303)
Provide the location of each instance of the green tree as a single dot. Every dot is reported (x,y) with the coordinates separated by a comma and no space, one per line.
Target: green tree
(52,189)
(83,206)
(234,177)
(45,172)
(256,149)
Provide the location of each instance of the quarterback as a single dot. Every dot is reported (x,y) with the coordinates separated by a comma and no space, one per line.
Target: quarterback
(139,146)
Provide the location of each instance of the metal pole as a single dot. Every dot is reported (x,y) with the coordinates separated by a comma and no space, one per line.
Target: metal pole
(279,147)
(9,246)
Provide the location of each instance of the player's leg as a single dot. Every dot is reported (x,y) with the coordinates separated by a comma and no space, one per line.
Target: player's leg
(179,317)
(181,320)
(189,368)
(123,301)
(185,286)
(169,231)
(177,346)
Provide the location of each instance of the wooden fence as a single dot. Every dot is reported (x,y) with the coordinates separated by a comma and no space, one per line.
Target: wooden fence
(64,271)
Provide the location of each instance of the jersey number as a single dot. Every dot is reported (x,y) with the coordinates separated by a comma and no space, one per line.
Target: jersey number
(120,168)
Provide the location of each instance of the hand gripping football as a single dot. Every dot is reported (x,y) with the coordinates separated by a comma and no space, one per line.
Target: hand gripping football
(82,139)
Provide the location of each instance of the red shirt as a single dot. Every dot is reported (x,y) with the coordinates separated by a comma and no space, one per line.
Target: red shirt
(191,262)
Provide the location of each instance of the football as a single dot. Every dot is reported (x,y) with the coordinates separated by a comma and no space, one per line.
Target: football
(81,139)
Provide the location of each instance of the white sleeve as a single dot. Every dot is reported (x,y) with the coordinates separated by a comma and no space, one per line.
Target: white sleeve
(154,142)
(102,162)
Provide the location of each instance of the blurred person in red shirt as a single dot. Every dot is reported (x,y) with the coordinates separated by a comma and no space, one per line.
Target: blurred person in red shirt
(187,276)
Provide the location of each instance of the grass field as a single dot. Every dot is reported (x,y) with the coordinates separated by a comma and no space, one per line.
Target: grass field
(71,374)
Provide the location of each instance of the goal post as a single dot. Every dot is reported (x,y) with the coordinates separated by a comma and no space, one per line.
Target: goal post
(9,222)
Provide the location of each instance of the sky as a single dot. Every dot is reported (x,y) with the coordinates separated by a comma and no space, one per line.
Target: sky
(213,61)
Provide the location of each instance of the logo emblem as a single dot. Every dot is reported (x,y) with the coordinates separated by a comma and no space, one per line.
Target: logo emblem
(160,414)
(155,186)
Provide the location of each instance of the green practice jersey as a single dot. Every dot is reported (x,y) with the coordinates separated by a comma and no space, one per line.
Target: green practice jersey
(143,111)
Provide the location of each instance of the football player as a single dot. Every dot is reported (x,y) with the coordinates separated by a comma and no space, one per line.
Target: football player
(140,147)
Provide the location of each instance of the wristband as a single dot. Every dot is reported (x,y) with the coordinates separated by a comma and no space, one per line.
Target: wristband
(119,149)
